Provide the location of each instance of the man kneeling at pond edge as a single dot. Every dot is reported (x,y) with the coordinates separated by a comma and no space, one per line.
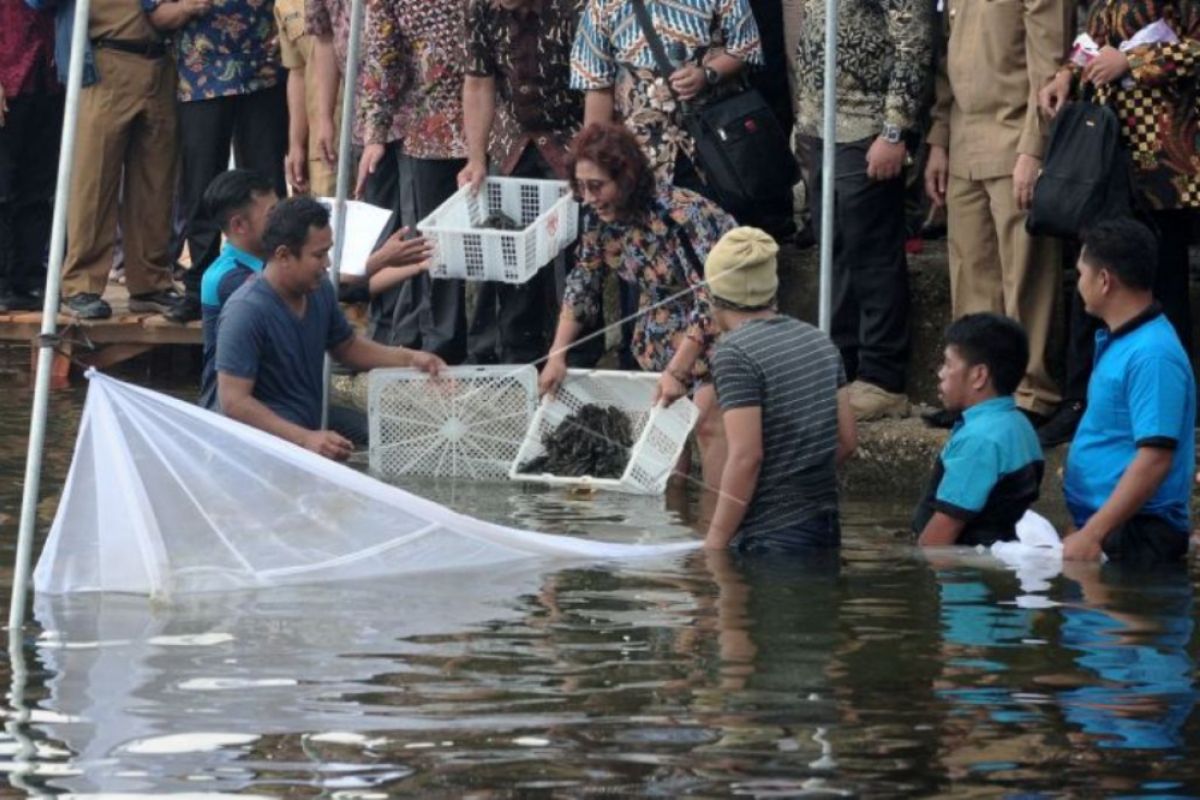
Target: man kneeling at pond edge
(784,405)
(275,330)
(990,471)
(1129,470)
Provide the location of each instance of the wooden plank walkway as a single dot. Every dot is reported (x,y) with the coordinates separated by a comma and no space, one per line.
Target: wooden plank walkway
(102,343)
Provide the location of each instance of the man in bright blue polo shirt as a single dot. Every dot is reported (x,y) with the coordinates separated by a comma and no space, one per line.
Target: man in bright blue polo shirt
(990,470)
(239,201)
(1129,470)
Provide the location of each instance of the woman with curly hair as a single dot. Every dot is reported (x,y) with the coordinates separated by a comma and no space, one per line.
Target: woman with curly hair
(655,237)
(1155,91)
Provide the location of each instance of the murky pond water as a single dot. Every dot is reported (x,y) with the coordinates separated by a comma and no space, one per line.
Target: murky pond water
(879,672)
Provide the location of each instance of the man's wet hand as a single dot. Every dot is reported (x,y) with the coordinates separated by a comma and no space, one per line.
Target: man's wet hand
(329,444)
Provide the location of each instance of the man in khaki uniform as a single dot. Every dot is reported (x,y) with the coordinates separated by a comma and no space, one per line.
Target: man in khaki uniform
(307,169)
(124,163)
(986,146)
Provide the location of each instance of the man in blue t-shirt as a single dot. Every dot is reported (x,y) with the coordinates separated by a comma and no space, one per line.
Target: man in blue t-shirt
(239,201)
(1129,471)
(275,330)
(990,471)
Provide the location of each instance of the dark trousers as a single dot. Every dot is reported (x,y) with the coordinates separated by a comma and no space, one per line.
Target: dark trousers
(821,530)
(870,273)
(1172,289)
(29,142)
(513,323)
(256,125)
(422,313)
(1145,540)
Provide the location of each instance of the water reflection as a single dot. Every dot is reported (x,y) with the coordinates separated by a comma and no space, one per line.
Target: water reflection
(880,673)
(1139,688)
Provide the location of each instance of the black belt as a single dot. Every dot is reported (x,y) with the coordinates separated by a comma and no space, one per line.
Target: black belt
(143,49)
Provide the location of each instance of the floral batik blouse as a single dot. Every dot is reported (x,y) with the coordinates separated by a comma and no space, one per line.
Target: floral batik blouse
(650,253)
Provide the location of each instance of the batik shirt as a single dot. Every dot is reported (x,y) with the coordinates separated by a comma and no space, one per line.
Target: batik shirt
(1160,112)
(231,50)
(884,66)
(26,49)
(650,254)
(332,18)
(414,68)
(528,52)
(610,51)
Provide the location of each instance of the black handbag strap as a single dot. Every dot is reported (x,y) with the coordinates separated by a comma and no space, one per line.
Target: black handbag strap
(686,241)
(656,46)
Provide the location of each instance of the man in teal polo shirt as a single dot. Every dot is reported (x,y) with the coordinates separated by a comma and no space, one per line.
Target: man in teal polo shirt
(239,201)
(1129,470)
(990,470)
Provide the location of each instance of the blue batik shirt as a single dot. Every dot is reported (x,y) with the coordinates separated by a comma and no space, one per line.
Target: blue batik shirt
(231,50)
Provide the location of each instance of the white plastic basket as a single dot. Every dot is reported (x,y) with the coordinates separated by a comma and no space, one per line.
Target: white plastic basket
(545,210)
(659,433)
(468,423)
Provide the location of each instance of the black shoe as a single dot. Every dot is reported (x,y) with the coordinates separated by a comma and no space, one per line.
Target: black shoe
(805,238)
(187,309)
(1060,428)
(160,302)
(86,305)
(941,418)
(24,301)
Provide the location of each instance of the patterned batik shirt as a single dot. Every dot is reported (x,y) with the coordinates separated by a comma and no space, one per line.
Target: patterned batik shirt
(413,68)
(231,50)
(884,66)
(528,52)
(650,254)
(1160,111)
(332,18)
(611,52)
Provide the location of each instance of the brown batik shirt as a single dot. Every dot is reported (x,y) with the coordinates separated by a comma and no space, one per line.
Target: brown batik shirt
(528,52)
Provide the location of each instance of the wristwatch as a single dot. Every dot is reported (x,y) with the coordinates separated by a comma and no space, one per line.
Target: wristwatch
(711,76)
(891,133)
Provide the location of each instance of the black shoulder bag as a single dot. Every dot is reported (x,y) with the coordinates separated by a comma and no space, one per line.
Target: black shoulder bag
(1085,176)
(742,150)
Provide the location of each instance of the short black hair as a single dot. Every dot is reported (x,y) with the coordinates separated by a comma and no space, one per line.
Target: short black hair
(995,341)
(1124,247)
(290,223)
(231,191)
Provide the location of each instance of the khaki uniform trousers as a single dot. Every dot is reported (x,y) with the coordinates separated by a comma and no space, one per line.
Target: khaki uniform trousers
(995,265)
(322,178)
(126,130)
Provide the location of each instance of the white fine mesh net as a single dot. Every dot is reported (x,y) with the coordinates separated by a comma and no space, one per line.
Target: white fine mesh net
(164,497)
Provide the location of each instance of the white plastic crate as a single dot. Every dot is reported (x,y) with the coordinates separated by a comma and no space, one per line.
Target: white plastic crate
(545,210)
(468,423)
(659,433)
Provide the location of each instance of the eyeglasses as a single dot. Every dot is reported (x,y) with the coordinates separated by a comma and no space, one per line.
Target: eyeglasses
(592,186)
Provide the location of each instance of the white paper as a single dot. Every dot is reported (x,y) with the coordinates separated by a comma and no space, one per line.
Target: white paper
(364,224)
(1158,32)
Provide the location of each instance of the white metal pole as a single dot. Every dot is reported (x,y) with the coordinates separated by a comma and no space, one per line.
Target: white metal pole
(829,143)
(349,84)
(45,360)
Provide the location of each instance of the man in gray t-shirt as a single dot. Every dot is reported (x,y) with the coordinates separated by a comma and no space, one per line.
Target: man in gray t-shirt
(785,409)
